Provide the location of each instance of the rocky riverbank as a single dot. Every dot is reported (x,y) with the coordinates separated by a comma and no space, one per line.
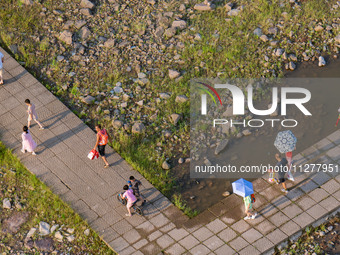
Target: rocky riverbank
(127,64)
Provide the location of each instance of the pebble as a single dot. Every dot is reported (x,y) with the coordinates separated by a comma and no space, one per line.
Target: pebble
(44,228)
(322,61)
(173,74)
(6,204)
(165,165)
(87,232)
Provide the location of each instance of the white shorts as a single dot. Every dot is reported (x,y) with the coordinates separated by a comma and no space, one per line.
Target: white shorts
(34,118)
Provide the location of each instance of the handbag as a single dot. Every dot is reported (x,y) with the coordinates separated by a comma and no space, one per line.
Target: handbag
(93,154)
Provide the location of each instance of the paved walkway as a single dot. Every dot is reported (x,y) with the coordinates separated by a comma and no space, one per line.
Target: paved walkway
(91,190)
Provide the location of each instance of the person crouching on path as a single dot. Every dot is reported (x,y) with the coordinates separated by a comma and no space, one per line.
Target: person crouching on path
(130,197)
(32,114)
(28,143)
(102,138)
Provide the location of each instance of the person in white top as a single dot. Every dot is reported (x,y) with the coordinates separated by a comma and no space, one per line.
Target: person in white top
(32,114)
(1,62)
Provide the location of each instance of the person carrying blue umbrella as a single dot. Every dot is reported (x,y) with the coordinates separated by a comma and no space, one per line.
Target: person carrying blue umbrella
(245,189)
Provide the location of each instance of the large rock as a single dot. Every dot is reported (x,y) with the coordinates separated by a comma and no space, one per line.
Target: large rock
(228,112)
(58,236)
(221,146)
(337,39)
(27,2)
(204,7)
(6,204)
(164,95)
(117,124)
(234,12)
(318,28)
(45,244)
(258,32)
(66,37)
(44,228)
(86,12)
(86,4)
(12,224)
(137,128)
(88,99)
(165,165)
(173,74)
(175,118)
(179,24)
(181,99)
(84,33)
(322,61)
(109,43)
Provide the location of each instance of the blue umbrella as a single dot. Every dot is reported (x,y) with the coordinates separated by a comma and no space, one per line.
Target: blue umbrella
(243,187)
(285,141)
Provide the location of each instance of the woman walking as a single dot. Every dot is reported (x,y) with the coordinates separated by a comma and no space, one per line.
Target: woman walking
(28,144)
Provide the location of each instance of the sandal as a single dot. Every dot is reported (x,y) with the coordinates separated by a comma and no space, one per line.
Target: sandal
(106,166)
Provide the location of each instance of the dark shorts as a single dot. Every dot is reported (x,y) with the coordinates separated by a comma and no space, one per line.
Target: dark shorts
(136,193)
(101,150)
(282,178)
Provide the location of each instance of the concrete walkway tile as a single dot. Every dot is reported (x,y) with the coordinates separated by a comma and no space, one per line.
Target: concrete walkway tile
(331,186)
(101,208)
(135,220)
(320,178)
(165,241)
(330,203)
(170,226)
(11,63)
(240,226)
(69,197)
(36,89)
(21,96)
(55,106)
(119,244)
(295,193)
(162,203)
(281,202)
(151,248)
(299,159)
(317,211)
(310,152)
(270,193)
(290,228)
(318,194)
(238,243)
(267,211)
(305,202)
(216,226)
(154,235)
(334,153)
(10,103)
(263,244)
(27,80)
(140,244)
(277,236)
(218,209)
(225,250)
(337,195)
(292,210)
(128,251)
(46,98)
(303,220)
(108,234)
(132,236)
(334,137)
(251,235)
(200,250)
(175,249)
(150,211)
(145,228)
(189,242)
(227,235)
(80,206)
(265,227)
(278,219)
(232,200)
(121,227)
(260,202)
(178,233)
(260,184)
(14,88)
(203,234)
(324,145)
(4,94)
(308,186)
(213,243)
(16,71)
(249,250)
(159,220)
(88,215)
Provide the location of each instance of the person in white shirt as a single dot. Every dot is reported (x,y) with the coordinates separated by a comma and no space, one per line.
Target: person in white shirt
(32,114)
(2,60)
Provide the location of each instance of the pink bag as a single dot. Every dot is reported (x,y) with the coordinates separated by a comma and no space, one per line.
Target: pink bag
(93,155)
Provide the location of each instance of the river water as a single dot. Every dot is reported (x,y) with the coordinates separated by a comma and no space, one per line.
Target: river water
(258,148)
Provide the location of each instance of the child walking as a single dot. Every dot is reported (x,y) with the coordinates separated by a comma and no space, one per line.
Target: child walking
(248,204)
(28,143)
(32,114)
(1,65)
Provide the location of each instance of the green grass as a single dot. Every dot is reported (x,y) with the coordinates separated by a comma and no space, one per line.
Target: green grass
(42,205)
(181,204)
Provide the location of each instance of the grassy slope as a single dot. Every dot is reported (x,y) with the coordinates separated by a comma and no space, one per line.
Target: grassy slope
(42,205)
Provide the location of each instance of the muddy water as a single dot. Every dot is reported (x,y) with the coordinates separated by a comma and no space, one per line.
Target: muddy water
(259,149)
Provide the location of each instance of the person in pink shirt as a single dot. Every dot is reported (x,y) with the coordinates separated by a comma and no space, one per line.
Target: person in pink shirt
(32,114)
(130,197)
(28,144)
